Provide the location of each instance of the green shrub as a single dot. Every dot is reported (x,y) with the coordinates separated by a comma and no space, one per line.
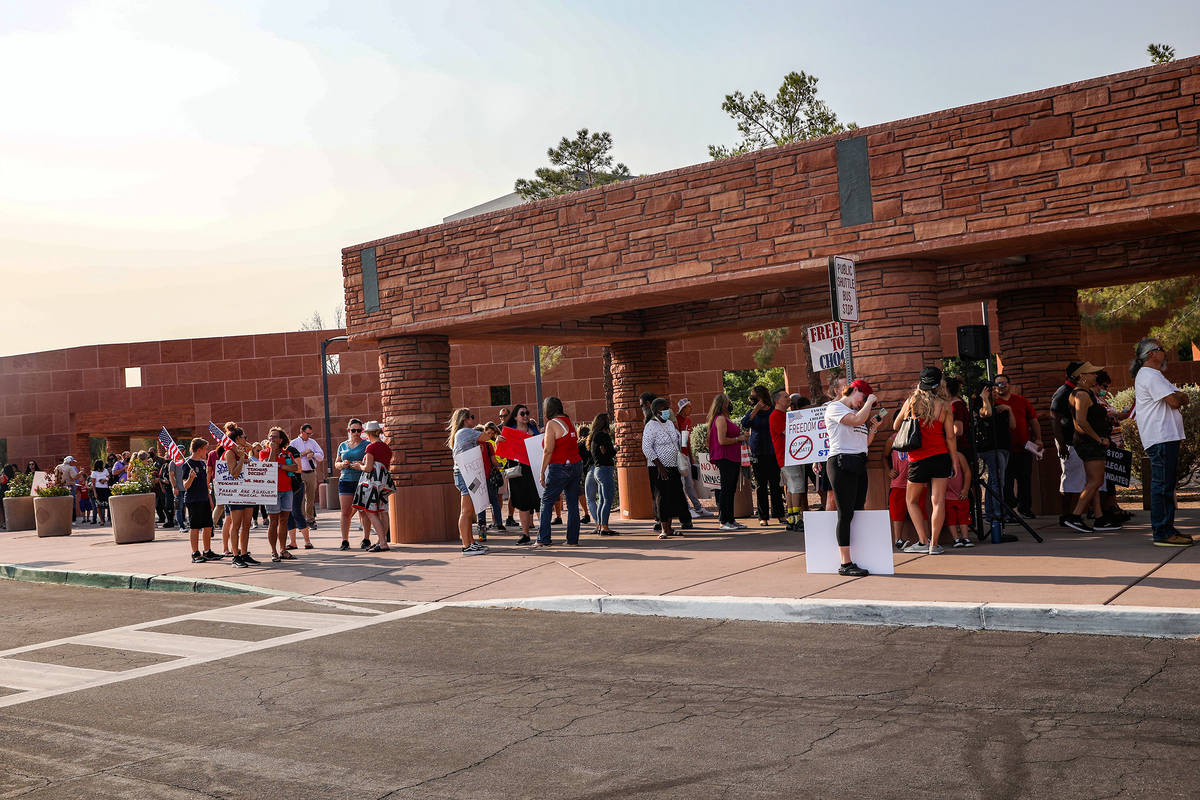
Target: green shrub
(20,485)
(141,478)
(1189,450)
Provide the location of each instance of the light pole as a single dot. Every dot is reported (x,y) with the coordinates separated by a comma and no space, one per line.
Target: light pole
(325,392)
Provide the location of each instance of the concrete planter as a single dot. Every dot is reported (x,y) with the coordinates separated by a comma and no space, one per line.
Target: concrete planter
(18,512)
(132,517)
(52,515)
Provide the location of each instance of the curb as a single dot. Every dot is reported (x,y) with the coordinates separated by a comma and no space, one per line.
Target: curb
(134,580)
(1079,619)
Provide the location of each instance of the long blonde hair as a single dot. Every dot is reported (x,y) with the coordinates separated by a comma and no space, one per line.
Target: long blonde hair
(458,421)
(922,403)
(719,407)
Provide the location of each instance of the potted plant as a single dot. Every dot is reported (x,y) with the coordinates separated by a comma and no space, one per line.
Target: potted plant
(18,505)
(131,506)
(52,508)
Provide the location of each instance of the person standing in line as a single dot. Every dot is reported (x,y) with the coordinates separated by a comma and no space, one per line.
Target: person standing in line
(1062,421)
(769,492)
(933,462)
(725,440)
(523,493)
(1091,442)
(99,483)
(660,446)
(194,494)
(562,471)
(65,473)
(1018,476)
(796,478)
(1108,495)
(585,458)
(849,439)
(464,437)
(604,455)
(176,475)
(372,494)
(958,510)
(896,464)
(684,424)
(349,458)
(793,477)
(1160,405)
(311,459)
(238,513)
(993,443)
(495,479)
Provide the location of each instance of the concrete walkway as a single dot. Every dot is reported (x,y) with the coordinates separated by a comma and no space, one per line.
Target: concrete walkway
(1109,569)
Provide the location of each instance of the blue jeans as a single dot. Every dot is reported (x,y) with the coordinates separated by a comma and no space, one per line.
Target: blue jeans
(590,491)
(296,520)
(603,478)
(561,479)
(494,502)
(1164,472)
(997,462)
(180,511)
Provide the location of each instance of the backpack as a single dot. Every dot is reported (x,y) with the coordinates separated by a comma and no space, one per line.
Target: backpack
(293,455)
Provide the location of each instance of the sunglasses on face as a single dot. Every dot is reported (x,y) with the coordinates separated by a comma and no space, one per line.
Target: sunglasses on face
(522,413)
(355,430)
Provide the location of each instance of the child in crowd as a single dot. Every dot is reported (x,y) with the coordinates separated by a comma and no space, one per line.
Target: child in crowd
(86,506)
(958,510)
(897,469)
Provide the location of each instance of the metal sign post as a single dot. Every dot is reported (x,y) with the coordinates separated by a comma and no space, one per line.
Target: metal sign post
(843,295)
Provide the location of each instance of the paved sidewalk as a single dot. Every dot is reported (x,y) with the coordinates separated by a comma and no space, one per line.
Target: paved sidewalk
(1118,568)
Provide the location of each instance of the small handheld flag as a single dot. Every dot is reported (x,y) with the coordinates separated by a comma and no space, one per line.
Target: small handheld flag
(220,436)
(164,438)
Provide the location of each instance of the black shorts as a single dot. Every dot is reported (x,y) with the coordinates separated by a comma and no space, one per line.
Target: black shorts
(199,514)
(925,470)
(1088,449)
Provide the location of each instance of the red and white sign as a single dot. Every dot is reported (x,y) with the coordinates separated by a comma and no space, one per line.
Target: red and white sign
(826,345)
(806,438)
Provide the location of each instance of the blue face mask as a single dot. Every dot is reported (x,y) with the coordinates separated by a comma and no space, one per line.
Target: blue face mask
(665,414)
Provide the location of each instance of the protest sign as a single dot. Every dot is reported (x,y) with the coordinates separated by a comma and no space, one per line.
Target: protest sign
(258,485)
(870,542)
(533,449)
(511,444)
(1118,464)
(470,466)
(826,345)
(710,474)
(806,438)
(41,480)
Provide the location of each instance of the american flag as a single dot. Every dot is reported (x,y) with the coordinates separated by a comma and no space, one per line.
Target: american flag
(164,438)
(219,435)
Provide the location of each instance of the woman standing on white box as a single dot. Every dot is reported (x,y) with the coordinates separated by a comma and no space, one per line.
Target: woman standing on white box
(849,439)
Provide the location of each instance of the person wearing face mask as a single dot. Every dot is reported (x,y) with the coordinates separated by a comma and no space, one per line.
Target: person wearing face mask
(768,489)
(660,445)
(652,415)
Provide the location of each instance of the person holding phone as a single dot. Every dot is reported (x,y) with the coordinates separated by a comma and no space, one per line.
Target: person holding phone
(846,421)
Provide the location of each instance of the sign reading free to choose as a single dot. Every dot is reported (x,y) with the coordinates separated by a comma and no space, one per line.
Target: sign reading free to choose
(826,345)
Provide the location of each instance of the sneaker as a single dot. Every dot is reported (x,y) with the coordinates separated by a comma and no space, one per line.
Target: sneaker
(197,558)
(364,544)
(657,527)
(510,521)
(539,543)
(248,559)
(184,529)
(1107,523)
(959,543)
(344,546)
(916,547)
(852,570)
(474,549)
(967,543)
(586,519)
(377,549)
(740,526)
(1028,515)
(1178,540)
(703,512)
(524,539)
(237,562)
(209,555)
(312,525)
(729,526)
(1076,523)
(936,549)
(254,526)
(556,521)
(900,544)
(481,536)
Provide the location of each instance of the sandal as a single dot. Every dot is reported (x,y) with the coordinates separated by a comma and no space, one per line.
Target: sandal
(663,536)
(286,556)
(308,546)
(275,559)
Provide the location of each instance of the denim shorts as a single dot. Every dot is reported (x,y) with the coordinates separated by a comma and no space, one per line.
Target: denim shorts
(283,502)
(460,484)
(347,487)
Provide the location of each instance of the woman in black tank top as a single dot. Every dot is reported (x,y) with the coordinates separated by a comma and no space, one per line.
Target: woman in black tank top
(1092,428)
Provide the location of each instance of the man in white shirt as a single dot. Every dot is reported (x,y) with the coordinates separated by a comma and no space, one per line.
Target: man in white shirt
(311,455)
(1160,426)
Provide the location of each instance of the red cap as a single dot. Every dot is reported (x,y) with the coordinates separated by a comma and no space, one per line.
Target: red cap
(862,386)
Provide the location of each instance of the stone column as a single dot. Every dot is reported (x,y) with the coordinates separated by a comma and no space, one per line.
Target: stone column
(898,334)
(1040,332)
(637,366)
(414,378)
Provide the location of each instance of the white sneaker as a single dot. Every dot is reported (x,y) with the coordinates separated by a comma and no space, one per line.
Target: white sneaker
(475,549)
(740,526)
(731,526)
(916,547)
(936,550)
(703,512)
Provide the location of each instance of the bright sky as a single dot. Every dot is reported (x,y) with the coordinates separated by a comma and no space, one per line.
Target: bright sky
(160,157)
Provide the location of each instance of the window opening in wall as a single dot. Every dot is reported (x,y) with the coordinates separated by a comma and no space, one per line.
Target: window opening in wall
(501,395)
(1186,352)
(333,363)
(97,448)
(737,383)
(3,453)
(133,377)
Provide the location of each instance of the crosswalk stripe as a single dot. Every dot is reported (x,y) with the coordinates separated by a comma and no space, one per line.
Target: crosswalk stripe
(167,644)
(17,674)
(305,620)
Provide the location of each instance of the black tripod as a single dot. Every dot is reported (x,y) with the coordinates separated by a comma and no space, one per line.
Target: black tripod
(978,481)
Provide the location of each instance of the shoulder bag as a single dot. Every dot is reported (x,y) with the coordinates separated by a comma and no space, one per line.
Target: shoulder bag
(908,438)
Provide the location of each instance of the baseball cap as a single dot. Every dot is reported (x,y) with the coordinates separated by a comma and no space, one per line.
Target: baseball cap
(931,377)
(862,386)
(69,460)
(373,426)
(683,401)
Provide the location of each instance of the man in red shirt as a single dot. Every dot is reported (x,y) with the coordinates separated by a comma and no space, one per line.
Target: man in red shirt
(793,477)
(1019,476)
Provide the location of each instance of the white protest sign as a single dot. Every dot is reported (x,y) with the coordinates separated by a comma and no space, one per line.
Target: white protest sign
(825,345)
(470,466)
(41,480)
(533,447)
(843,288)
(258,485)
(806,438)
(710,474)
(870,542)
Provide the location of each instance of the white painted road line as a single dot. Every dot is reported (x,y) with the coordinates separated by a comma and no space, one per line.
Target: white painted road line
(32,675)
(304,620)
(167,644)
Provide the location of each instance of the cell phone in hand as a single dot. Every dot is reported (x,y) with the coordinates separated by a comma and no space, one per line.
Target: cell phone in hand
(880,413)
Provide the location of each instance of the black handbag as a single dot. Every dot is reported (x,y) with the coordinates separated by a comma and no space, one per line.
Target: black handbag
(908,438)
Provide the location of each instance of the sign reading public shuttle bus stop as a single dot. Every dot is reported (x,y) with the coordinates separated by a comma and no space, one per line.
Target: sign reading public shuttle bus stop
(843,297)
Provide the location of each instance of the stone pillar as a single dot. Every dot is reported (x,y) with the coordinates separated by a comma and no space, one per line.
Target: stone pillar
(898,334)
(414,378)
(1040,332)
(637,366)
